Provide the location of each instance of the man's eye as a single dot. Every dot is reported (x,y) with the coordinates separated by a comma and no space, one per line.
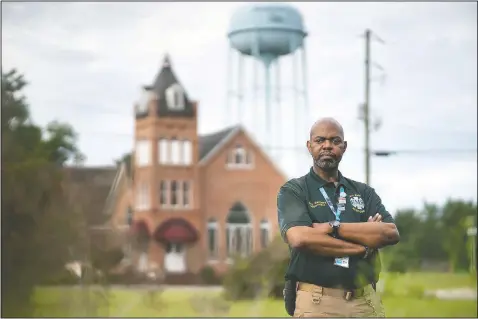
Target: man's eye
(320,140)
(337,141)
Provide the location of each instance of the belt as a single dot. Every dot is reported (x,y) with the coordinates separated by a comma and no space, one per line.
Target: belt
(347,294)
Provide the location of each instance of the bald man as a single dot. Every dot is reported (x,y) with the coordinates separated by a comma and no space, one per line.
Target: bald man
(334,227)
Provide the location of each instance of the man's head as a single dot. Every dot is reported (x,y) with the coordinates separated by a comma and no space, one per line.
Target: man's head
(326,144)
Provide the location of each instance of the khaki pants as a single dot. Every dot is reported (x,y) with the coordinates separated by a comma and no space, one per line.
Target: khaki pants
(314,301)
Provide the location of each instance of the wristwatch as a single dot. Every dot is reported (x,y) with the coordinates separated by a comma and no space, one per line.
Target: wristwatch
(335,228)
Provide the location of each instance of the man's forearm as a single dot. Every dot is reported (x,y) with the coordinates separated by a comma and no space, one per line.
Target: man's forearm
(326,245)
(374,235)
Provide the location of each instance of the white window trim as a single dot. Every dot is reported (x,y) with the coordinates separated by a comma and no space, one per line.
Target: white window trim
(187,152)
(245,155)
(213,225)
(179,195)
(183,183)
(142,197)
(175,151)
(231,228)
(164,151)
(175,93)
(167,185)
(143,152)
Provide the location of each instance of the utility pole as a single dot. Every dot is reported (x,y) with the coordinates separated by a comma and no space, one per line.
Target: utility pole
(366,107)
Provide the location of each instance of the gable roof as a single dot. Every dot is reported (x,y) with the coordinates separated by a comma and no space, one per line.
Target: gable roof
(88,189)
(225,136)
(207,143)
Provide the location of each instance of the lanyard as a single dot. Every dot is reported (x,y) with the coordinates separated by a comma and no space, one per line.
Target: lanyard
(340,205)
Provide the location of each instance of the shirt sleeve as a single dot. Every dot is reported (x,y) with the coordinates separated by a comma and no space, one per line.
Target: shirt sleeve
(374,205)
(291,210)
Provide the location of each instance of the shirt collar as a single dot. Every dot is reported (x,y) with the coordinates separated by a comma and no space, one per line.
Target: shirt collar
(321,182)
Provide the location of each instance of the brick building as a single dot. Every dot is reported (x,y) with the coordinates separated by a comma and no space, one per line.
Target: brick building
(201,199)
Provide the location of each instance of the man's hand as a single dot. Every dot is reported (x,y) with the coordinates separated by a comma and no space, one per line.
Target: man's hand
(324,228)
(375,219)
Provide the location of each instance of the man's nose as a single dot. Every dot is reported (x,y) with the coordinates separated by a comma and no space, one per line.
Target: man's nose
(327,145)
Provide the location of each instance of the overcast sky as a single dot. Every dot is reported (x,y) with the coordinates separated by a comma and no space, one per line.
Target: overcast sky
(86,63)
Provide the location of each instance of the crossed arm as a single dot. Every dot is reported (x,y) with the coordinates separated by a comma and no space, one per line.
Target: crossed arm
(299,231)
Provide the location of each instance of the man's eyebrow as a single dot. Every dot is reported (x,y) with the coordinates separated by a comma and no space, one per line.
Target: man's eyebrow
(330,138)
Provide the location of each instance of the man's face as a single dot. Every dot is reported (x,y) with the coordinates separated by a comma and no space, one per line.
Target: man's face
(327,146)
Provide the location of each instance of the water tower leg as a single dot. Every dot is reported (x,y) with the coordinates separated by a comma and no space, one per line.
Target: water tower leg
(305,92)
(227,116)
(305,86)
(278,133)
(255,64)
(267,90)
(296,109)
(240,105)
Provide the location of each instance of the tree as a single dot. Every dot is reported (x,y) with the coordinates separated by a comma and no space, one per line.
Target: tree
(455,217)
(37,226)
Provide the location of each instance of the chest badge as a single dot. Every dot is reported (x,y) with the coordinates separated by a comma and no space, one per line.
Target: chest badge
(357,203)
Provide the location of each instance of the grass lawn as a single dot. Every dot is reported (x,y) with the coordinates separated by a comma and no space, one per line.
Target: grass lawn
(75,302)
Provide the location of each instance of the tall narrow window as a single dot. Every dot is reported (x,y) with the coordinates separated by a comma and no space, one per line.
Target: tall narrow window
(143,152)
(187,152)
(240,154)
(163,193)
(238,231)
(212,238)
(186,193)
(265,229)
(174,193)
(163,150)
(142,196)
(175,152)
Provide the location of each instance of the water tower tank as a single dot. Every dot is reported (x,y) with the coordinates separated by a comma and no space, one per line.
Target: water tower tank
(266,31)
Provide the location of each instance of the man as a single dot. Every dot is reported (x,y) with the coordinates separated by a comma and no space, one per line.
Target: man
(334,227)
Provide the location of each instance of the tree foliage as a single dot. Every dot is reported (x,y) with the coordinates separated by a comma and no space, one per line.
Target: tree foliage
(433,235)
(37,226)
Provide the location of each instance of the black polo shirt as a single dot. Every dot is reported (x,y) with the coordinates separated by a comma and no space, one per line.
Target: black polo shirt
(300,203)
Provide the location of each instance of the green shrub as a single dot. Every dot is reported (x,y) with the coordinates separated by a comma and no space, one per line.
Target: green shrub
(208,276)
(261,275)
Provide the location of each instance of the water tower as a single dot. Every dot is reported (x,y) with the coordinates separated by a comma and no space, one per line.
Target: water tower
(262,37)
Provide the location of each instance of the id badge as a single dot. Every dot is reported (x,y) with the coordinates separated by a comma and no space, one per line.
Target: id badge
(342,262)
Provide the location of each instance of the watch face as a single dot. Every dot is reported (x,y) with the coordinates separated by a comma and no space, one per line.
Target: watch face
(335,223)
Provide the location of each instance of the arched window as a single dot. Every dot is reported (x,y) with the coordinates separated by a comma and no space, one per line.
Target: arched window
(238,231)
(212,238)
(265,233)
(163,150)
(175,97)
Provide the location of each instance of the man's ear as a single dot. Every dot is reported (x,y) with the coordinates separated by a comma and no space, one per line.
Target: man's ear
(345,146)
(309,147)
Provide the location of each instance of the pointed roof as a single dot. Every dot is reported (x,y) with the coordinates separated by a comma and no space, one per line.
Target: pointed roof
(163,80)
(165,77)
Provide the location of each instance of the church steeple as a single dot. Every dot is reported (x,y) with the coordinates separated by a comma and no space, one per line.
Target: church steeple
(173,100)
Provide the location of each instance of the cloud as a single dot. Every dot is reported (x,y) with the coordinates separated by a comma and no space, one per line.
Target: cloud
(86,63)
